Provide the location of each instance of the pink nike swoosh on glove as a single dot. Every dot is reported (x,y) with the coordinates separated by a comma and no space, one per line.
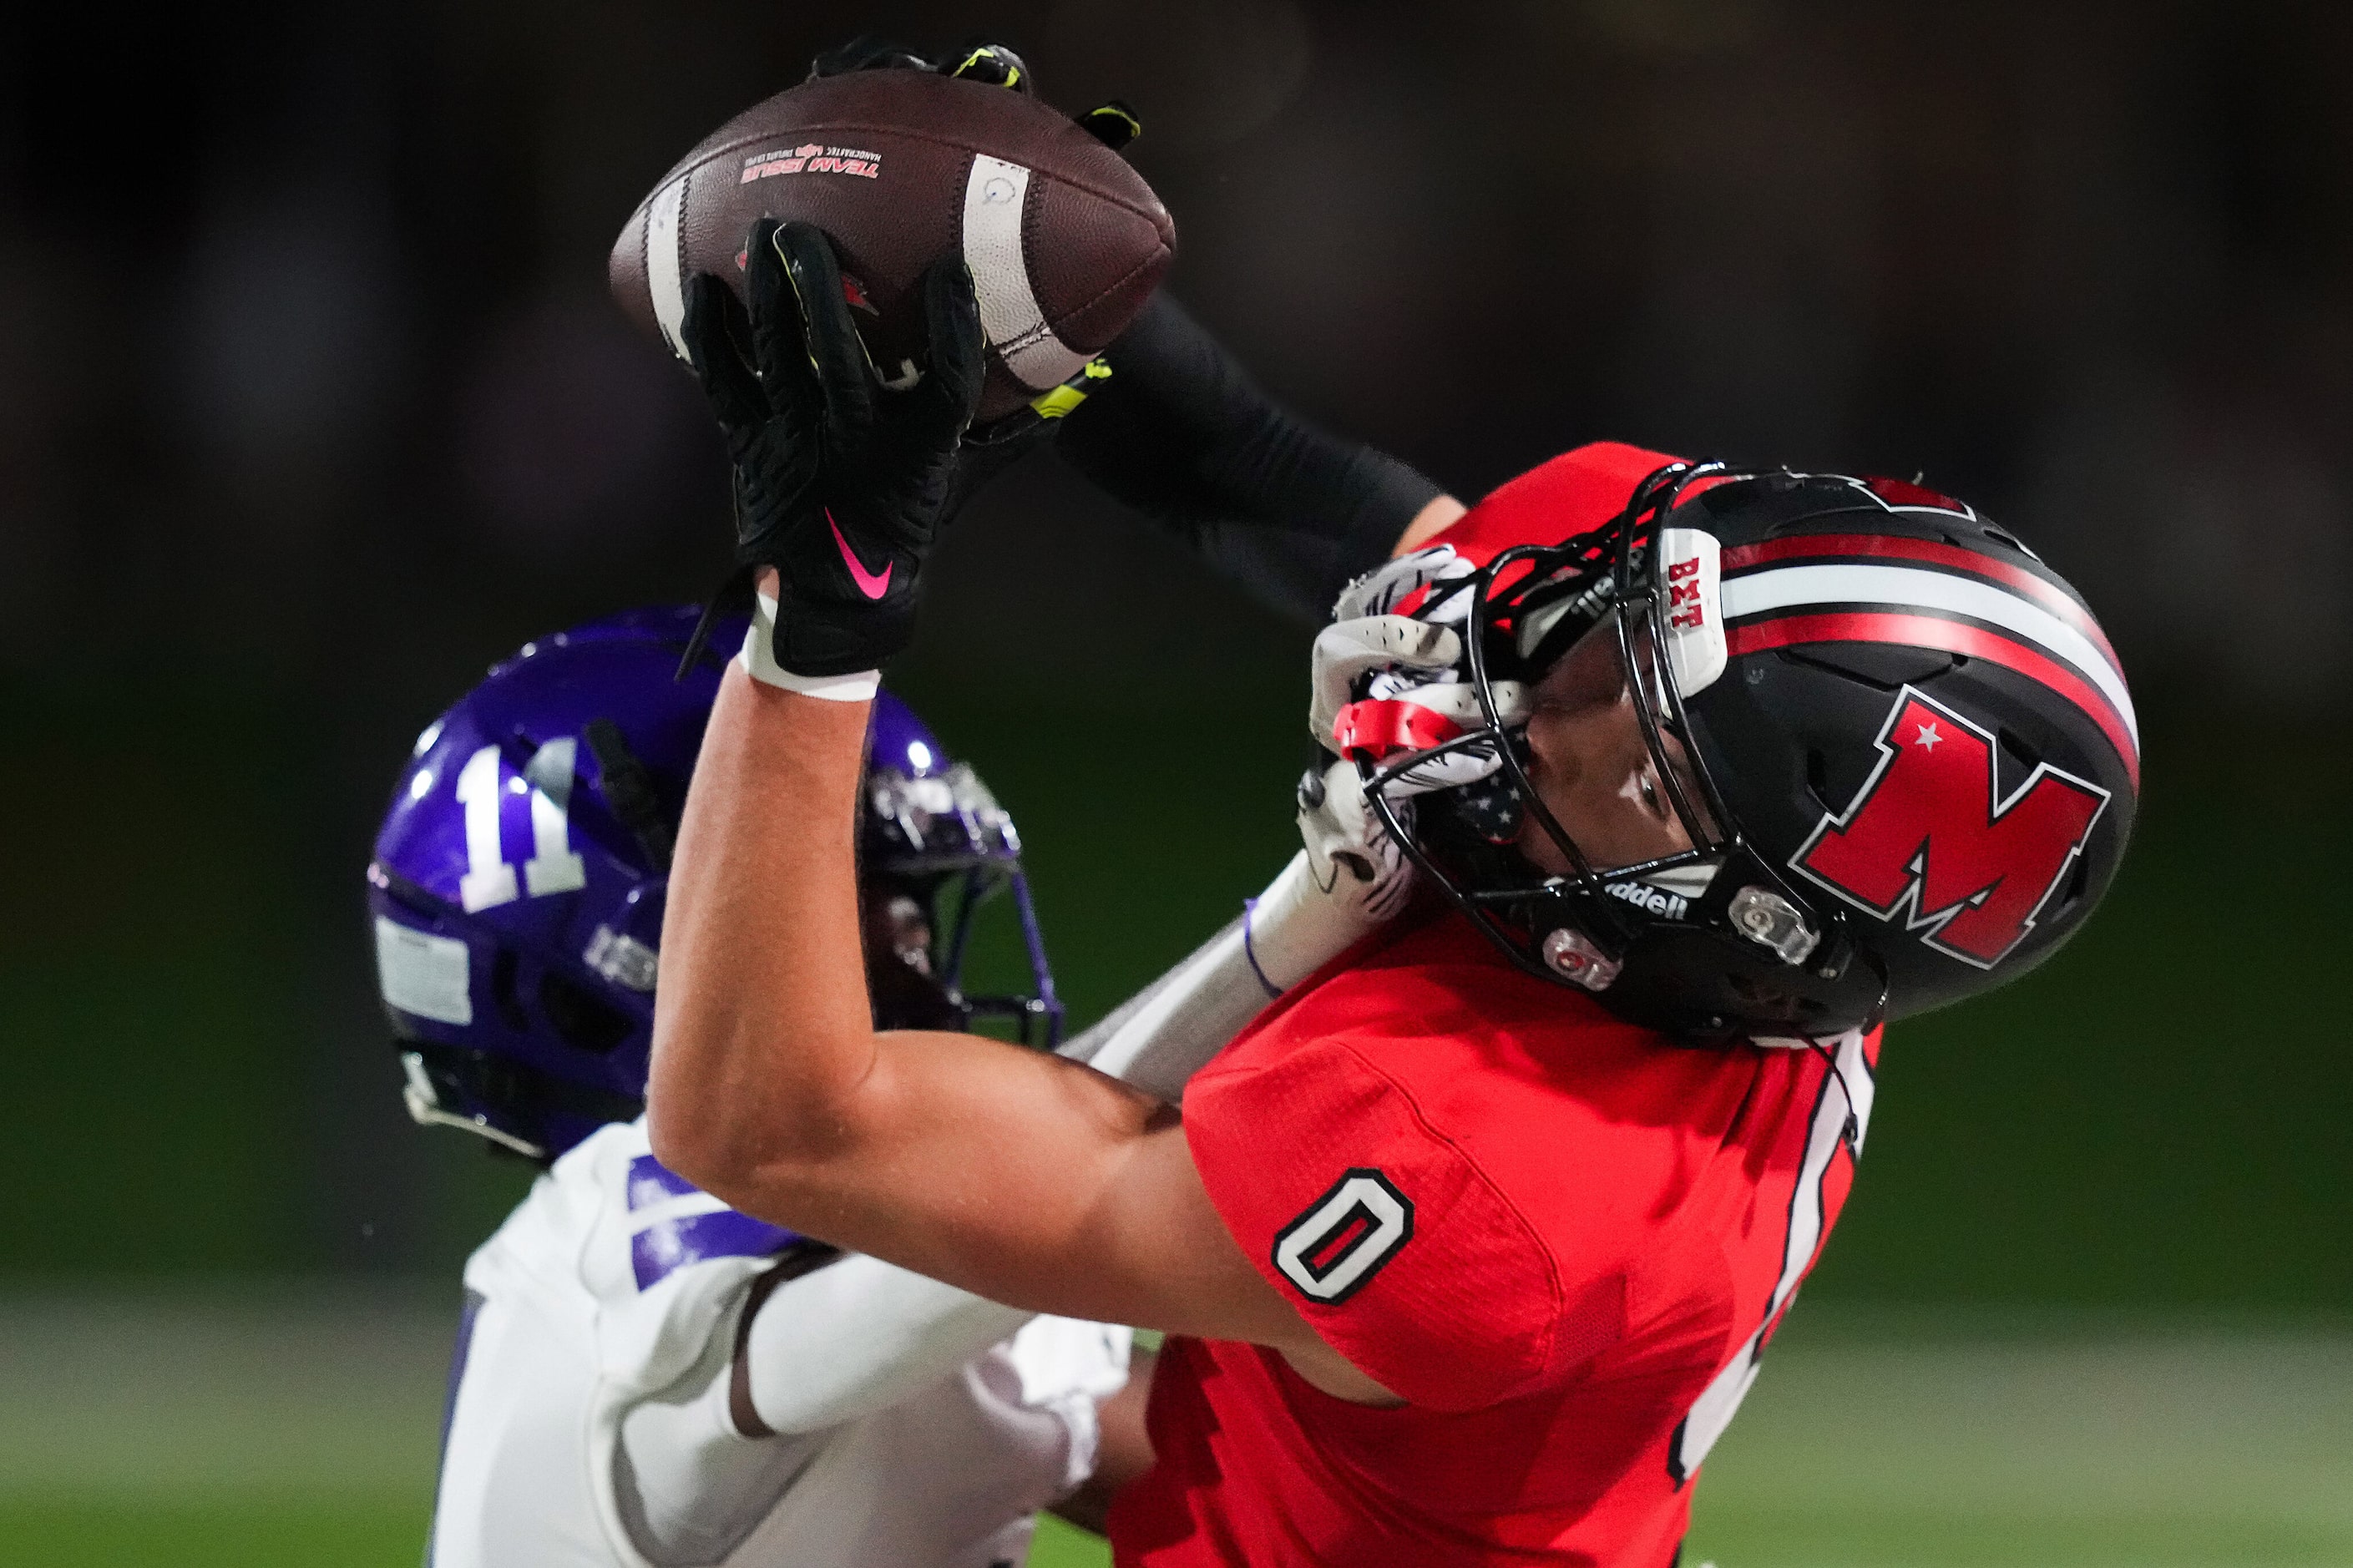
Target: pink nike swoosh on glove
(874,585)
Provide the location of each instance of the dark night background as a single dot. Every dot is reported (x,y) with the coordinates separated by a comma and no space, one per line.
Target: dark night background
(312,404)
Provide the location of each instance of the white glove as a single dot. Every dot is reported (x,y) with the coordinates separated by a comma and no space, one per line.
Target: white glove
(1372,653)
(1350,879)
(1381,590)
(1347,651)
(1351,856)
(1366,633)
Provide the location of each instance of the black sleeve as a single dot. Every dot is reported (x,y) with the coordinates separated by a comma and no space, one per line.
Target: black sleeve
(1182,434)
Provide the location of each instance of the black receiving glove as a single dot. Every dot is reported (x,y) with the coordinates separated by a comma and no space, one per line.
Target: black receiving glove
(1180,432)
(790,448)
(841,483)
(1113,124)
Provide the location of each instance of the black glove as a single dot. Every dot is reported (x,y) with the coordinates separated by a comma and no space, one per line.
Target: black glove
(770,427)
(1181,433)
(841,483)
(1113,124)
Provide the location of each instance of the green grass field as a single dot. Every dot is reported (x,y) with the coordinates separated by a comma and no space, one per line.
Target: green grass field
(298,1429)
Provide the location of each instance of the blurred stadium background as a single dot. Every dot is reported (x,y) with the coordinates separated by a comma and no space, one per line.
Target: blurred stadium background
(311,405)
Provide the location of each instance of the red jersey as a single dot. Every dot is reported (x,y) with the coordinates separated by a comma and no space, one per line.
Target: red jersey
(1562,1239)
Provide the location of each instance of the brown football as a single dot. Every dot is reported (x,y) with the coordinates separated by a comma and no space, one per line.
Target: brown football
(1064,239)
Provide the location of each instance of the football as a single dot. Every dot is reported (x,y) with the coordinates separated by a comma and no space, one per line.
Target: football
(1064,239)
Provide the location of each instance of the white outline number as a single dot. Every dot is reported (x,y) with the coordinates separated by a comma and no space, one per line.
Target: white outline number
(488,880)
(552,868)
(1343,1237)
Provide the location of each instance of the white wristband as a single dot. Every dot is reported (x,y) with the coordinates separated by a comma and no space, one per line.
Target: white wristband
(759,661)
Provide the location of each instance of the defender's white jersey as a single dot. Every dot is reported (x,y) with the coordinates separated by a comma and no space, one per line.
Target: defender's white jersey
(588,1426)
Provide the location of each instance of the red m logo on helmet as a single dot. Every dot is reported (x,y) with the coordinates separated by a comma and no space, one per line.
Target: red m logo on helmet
(1929,835)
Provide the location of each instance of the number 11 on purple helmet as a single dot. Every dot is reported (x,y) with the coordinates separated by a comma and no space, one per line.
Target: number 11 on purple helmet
(517,887)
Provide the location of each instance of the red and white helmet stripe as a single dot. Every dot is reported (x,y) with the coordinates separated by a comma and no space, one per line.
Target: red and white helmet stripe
(1881,588)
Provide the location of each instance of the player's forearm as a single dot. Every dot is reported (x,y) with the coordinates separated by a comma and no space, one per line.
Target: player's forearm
(1160,1037)
(858,1336)
(770,1088)
(761,1025)
(1183,434)
(1163,1033)
(1021,1178)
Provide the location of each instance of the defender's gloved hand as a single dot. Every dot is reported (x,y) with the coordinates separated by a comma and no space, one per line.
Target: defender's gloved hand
(1390,675)
(1349,879)
(841,483)
(1356,864)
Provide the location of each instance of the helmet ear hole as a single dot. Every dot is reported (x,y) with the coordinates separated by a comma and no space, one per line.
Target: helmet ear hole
(583,1022)
(2079,881)
(1817,779)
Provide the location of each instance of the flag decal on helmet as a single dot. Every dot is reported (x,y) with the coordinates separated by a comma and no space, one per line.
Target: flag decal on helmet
(1931,837)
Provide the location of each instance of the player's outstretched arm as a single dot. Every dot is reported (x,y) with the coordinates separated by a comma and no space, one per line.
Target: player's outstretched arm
(821,1347)
(1183,434)
(1029,1179)
(1346,884)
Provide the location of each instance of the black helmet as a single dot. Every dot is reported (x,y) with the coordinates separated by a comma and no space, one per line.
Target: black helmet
(1902,749)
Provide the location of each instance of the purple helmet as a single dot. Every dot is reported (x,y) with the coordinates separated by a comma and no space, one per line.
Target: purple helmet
(519,879)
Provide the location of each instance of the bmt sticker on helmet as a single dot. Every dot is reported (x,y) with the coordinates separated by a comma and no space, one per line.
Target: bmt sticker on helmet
(423,974)
(1691,576)
(1931,837)
(1344,1237)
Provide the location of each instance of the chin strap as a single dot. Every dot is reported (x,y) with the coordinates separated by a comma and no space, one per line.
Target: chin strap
(629,789)
(732,597)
